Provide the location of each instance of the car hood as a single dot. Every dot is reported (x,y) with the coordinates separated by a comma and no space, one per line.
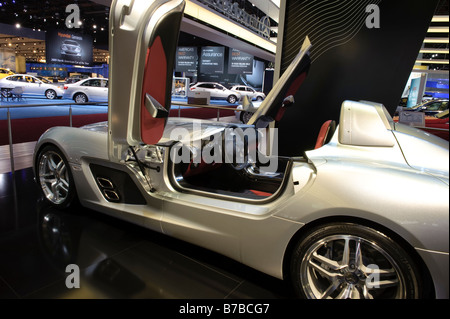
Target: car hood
(423,151)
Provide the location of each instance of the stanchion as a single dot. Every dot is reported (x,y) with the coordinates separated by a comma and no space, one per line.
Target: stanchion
(11,148)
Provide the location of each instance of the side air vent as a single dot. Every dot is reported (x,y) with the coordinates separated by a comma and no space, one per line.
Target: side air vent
(116,185)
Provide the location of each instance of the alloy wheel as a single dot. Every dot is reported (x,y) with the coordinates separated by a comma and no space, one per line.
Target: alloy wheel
(350,267)
(54,177)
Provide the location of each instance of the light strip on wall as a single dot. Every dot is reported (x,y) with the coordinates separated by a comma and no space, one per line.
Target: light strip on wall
(438,30)
(438,51)
(435,40)
(440,19)
(200,13)
(432,61)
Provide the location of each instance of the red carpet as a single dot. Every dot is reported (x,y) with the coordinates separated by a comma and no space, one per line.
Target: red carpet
(29,129)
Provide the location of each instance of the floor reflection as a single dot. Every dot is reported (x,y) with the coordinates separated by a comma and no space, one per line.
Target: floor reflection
(116,259)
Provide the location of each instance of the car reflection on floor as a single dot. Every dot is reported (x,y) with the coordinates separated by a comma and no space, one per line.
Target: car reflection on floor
(116,259)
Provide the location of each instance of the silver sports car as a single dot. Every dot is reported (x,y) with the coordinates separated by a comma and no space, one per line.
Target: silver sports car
(363,215)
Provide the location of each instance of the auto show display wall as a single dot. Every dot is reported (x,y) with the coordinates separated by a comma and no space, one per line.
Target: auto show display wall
(361,50)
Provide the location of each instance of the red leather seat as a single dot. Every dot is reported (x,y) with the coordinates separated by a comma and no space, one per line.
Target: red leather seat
(325,133)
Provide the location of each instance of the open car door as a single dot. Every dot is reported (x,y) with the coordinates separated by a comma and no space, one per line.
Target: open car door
(143,39)
(282,94)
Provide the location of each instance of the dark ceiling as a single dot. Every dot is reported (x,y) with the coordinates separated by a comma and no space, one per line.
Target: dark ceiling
(51,14)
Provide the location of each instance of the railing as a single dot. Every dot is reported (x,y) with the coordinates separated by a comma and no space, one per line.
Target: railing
(10,136)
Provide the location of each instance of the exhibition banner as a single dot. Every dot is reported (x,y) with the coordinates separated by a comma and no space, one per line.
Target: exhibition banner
(413,97)
(68,47)
(240,62)
(186,59)
(212,60)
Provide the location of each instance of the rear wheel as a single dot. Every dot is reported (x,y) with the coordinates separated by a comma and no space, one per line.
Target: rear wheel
(54,177)
(350,261)
(80,98)
(50,94)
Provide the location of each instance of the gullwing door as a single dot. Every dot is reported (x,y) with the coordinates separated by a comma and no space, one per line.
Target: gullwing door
(143,39)
(282,94)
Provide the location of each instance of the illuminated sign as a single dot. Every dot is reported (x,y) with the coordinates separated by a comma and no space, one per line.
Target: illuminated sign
(212,60)
(186,59)
(240,62)
(232,10)
(68,48)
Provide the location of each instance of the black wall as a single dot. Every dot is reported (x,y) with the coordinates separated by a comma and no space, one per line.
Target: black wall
(349,60)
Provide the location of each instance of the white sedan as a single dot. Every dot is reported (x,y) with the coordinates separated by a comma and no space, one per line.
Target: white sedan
(31,85)
(87,90)
(250,92)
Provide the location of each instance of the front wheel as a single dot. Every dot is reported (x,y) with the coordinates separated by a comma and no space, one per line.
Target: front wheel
(350,261)
(232,99)
(54,177)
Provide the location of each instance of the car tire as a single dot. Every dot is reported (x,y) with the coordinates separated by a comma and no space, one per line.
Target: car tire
(232,99)
(51,94)
(245,117)
(54,177)
(259,98)
(80,98)
(346,260)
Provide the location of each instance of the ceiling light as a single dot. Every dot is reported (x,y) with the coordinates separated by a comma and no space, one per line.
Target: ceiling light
(18,25)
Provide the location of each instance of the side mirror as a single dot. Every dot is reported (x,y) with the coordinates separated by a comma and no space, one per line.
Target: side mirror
(155,109)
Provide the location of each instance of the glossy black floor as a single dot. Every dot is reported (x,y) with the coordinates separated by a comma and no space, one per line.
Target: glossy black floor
(116,259)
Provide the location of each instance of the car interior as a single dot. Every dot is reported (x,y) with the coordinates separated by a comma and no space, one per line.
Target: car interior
(250,180)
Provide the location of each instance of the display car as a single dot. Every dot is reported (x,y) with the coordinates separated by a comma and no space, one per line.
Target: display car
(343,220)
(71,48)
(216,91)
(87,90)
(248,91)
(437,124)
(5,72)
(31,85)
(75,78)
(430,108)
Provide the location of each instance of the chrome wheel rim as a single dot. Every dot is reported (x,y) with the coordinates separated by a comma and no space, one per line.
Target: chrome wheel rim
(54,177)
(51,94)
(350,267)
(80,98)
